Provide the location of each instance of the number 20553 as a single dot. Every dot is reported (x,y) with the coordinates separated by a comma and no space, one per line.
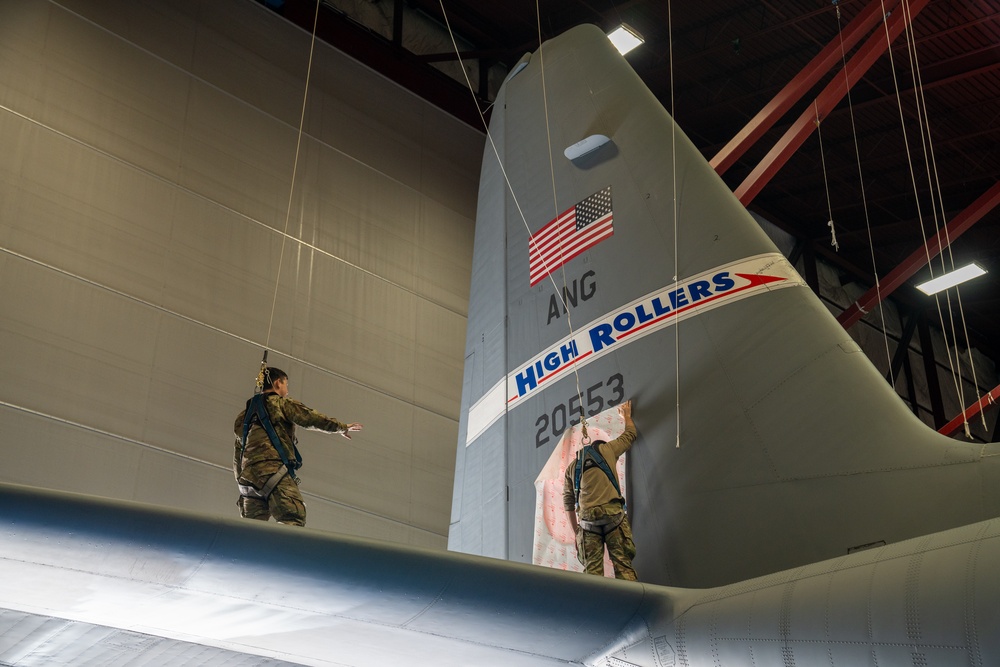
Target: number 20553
(568,413)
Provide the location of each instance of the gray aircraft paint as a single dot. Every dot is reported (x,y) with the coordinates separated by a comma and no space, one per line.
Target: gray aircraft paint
(220,591)
(793,447)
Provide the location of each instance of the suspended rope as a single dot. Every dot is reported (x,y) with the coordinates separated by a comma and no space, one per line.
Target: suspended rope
(489,136)
(972,366)
(673,193)
(861,180)
(953,362)
(510,187)
(291,195)
(934,187)
(555,212)
(826,180)
(545,113)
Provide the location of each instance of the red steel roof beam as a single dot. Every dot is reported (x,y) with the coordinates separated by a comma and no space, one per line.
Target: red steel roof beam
(834,92)
(920,257)
(797,87)
(971,411)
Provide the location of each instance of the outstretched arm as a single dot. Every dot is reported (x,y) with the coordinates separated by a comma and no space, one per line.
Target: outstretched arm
(301,414)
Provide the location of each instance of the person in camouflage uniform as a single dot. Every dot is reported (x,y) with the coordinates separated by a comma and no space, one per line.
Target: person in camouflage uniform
(267,487)
(602,520)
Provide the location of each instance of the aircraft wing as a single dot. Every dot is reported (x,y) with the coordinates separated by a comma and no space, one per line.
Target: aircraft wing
(93,581)
(295,595)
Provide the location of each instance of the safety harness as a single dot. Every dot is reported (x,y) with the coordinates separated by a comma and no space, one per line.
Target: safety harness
(590,457)
(257,411)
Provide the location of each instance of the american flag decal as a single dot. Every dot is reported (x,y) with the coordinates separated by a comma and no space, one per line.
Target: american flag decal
(573,231)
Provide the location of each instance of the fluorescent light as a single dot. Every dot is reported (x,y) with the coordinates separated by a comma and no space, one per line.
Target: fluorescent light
(625,38)
(951,279)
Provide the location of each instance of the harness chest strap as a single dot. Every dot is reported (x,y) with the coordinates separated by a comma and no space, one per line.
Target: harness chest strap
(588,457)
(256,409)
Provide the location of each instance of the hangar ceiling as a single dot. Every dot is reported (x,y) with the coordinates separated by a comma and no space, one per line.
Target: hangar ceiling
(889,166)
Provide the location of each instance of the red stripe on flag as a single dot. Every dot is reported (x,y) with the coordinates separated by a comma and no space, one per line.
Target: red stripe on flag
(551,250)
(569,244)
(542,240)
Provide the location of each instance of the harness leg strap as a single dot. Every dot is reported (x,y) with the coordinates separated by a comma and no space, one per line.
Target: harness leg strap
(265,491)
(273,482)
(604,526)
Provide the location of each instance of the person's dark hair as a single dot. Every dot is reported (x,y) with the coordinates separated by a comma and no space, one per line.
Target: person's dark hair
(272,375)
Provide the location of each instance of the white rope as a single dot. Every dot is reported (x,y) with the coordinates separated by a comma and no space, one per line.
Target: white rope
(545,113)
(930,162)
(295,166)
(510,187)
(489,135)
(673,170)
(864,198)
(920,216)
(555,213)
(952,363)
(826,179)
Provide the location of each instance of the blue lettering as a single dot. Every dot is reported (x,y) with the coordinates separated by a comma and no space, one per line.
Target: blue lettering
(526,381)
(600,337)
(678,298)
(723,281)
(640,312)
(659,308)
(568,351)
(551,361)
(624,322)
(699,289)
(539,373)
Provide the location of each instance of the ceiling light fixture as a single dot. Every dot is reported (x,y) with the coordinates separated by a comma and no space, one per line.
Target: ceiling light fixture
(625,38)
(951,279)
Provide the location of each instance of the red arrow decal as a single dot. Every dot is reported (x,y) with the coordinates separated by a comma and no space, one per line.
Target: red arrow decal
(759,279)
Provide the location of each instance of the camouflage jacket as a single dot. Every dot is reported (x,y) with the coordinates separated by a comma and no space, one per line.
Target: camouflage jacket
(595,487)
(260,459)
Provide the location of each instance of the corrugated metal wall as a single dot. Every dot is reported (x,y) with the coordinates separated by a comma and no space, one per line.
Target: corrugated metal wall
(146,154)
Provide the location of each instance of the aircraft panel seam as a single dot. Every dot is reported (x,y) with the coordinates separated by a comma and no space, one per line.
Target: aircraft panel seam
(795,372)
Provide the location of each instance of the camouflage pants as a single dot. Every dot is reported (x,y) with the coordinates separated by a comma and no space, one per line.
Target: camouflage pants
(285,504)
(621,548)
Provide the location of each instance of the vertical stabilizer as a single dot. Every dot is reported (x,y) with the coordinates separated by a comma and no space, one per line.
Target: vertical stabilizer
(792,446)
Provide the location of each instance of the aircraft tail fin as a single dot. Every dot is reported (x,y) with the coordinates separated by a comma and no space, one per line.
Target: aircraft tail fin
(791,442)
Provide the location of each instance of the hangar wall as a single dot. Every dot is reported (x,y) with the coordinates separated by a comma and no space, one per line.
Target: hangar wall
(145,171)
